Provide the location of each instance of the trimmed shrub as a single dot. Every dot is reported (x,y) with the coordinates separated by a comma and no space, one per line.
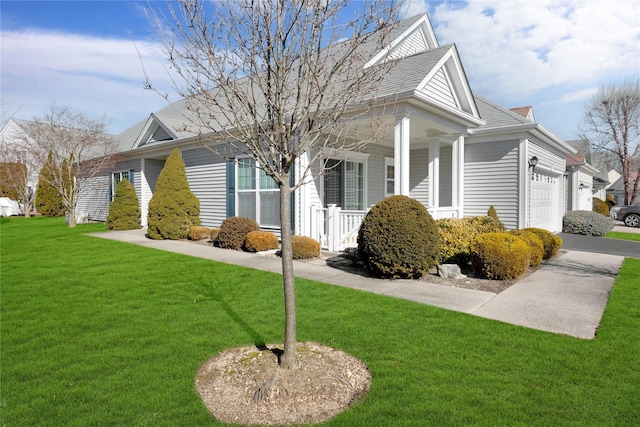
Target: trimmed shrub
(492,213)
(500,256)
(214,234)
(48,199)
(457,235)
(550,241)
(233,232)
(173,207)
(258,241)
(198,232)
(398,238)
(611,201)
(587,223)
(304,247)
(124,211)
(535,245)
(600,206)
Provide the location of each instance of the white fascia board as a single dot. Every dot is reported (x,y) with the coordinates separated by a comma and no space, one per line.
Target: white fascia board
(430,36)
(534,128)
(447,111)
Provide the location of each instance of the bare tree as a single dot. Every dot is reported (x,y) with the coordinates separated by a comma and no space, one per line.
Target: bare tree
(612,125)
(80,151)
(17,172)
(276,81)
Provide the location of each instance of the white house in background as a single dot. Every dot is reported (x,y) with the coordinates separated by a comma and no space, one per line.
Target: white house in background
(616,189)
(455,152)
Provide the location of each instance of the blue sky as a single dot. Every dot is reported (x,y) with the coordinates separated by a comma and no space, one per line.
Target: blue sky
(550,54)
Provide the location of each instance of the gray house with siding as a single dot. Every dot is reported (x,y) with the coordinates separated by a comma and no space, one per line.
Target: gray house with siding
(455,152)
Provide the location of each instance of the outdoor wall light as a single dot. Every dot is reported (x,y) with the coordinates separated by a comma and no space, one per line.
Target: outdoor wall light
(533,162)
(581,187)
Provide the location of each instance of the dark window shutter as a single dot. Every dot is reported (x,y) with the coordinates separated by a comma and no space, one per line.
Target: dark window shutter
(131,177)
(110,187)
(231,188)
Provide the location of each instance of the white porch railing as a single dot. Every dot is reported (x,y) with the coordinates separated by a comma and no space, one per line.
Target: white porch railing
(337,229)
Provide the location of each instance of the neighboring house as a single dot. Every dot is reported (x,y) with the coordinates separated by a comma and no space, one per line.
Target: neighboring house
(616,189)
(455,152)
(11,141)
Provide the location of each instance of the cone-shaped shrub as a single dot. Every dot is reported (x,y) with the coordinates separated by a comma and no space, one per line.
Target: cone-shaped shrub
(48,199)
(124,211)
(173,207)
(398,238)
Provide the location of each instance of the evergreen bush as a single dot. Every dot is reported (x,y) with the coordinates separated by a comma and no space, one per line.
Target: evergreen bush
(587,223)
(198,232)
(492,213)
(457,235)
(398,238)
(304,247)
(500,256)
(233,232)
(124,211)
(48,198)
(550,241)
(600,206)
(535,245)
(258,241)
(173,207)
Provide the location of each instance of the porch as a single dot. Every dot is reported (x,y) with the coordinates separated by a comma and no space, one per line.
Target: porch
(337,229)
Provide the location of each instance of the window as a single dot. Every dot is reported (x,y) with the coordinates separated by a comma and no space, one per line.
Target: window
(258,196)
(117,177)
(344,184)
(389,177)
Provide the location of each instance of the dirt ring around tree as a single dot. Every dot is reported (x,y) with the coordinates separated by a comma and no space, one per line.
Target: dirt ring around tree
(246,386)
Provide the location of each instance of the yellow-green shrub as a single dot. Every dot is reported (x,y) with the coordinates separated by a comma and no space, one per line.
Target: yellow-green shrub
(500,256)
(199,232)
(550,241)
(304,247)
(600,206)
(457,235)
(258,241)
(214,234)
(535,245)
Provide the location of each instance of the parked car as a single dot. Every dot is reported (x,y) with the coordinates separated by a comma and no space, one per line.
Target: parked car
(630,215)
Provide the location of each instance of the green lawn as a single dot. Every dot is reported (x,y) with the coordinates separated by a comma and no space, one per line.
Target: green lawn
(624,236)
(96,332)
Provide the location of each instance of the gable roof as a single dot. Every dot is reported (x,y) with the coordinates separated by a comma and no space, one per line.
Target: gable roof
(526,112)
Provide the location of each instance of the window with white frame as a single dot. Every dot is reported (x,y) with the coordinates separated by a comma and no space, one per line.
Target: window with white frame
(389,177)
(117,177)
(257,195)
(344,184)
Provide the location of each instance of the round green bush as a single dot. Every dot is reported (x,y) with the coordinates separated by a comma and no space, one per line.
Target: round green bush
(550,241)
(587,223)
(398,238)
(600,206)
(304,247)
(535,245)
(124,211)
(198,232)
(500,256)
(233,232)
(258,241)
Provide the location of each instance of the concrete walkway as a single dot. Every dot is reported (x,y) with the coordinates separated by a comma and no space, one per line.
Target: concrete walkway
(567,295)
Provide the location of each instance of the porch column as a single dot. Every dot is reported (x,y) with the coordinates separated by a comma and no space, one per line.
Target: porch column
(457,178)
(434,174)
(401,154)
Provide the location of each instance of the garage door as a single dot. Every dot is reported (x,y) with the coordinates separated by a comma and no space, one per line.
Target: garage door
(545,202)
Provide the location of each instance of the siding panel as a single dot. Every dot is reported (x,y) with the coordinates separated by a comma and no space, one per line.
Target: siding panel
(206,172)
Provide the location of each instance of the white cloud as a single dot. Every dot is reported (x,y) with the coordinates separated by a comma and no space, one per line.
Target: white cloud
(89,74)
(513,49)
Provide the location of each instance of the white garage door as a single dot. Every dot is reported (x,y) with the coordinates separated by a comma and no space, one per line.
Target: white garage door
(545,202)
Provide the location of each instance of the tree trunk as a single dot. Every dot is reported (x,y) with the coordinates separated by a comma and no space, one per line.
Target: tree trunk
(72,218)
(288,360)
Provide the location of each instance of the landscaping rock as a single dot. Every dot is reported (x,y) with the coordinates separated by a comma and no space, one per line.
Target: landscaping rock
(450,271)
